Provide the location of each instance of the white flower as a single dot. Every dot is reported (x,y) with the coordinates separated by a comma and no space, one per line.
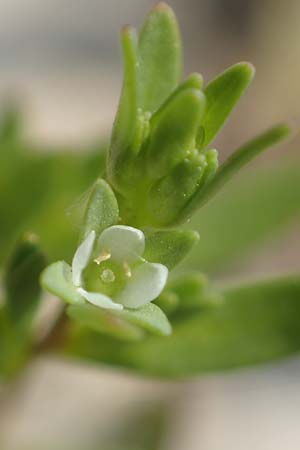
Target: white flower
(109,272)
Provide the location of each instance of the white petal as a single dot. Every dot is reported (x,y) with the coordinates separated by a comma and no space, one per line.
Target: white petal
(146,283)
(123,243)
(81,257)
(100,300)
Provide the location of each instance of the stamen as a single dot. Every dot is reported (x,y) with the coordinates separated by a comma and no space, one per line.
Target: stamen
(105,255)
(127,269)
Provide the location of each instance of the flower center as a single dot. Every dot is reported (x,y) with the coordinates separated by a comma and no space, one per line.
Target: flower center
(108,276)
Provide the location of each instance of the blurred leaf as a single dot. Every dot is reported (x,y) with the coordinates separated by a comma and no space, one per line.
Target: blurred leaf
(22,280)
(222,94)
(128,324)
(169,247)
(255,324)
(159,57)
(235,162)
(247,212)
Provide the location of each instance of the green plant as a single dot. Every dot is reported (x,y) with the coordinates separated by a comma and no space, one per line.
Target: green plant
(124,308)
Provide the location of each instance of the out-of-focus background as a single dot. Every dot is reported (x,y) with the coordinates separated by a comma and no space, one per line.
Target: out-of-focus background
(60,60)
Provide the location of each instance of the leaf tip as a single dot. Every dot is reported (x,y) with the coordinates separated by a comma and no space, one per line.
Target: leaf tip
(162,7)
(247,69)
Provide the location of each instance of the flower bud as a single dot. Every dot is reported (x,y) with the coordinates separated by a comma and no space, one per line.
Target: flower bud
(169,196)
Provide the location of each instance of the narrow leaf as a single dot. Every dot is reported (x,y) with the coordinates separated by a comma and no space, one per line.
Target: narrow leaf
(124,128)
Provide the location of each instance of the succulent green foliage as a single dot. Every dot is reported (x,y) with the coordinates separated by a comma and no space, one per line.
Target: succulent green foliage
(160,57)
(169,247)
(254,324)
(163,168)
(102,210)
(125,325)
(21,280)
(222,94)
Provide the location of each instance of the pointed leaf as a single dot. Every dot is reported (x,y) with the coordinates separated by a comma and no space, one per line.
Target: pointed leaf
(159,57)
(222,94)
(124,128)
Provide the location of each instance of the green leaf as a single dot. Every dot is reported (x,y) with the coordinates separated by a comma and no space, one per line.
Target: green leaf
(247,212)
(22,280)
(128,324)
(255,324)
(222,94)
(172,131)
(57,279)
(102,210)
(234,163)
(124,128)
(159,57)
(169,247)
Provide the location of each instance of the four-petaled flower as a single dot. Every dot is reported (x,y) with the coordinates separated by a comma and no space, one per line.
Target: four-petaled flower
(110,272)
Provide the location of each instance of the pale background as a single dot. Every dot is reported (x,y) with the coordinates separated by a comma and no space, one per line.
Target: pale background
(62,58)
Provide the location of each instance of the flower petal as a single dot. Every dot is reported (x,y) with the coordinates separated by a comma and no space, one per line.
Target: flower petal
(57,279)
(100,300)
(81,257)
(146,283)
(124,243)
